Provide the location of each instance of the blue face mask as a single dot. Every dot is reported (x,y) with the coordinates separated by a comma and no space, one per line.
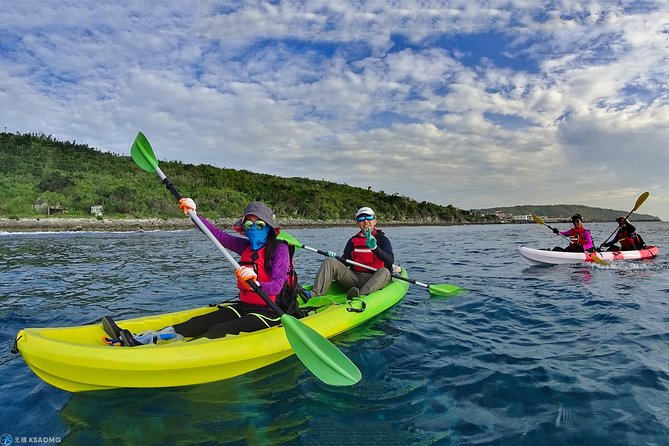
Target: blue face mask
(257,237)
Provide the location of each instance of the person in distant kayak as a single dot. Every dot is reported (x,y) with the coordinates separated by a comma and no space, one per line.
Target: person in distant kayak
(626,235)
(369,246)
(581,240)
(264,259)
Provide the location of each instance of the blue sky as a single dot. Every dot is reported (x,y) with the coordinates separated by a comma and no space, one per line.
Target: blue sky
(470,103)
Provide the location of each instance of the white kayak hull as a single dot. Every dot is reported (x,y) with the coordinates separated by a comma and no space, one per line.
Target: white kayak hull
(535,257)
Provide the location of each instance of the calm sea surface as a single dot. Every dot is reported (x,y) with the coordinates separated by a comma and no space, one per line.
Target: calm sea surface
(562,355)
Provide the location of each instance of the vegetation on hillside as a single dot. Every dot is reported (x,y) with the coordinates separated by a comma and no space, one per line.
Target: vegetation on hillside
(39,173)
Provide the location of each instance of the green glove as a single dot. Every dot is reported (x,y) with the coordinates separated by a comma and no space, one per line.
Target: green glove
(371,240)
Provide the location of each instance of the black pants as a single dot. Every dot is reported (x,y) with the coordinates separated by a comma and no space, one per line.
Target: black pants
(570,248)
(618,248)
(230,319)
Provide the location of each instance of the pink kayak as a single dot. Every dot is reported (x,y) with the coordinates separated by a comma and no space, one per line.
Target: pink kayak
(534,257)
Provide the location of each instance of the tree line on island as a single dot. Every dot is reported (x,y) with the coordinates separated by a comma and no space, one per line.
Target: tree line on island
(40,174)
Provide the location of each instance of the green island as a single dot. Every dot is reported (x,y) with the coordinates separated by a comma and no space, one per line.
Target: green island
(62,185)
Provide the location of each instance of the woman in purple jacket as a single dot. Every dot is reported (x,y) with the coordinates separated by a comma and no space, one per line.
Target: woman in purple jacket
(263,258)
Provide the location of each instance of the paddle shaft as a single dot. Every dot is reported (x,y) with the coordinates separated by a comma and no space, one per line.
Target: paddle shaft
(540,221)
(361,265)
(200,224)
(553,229)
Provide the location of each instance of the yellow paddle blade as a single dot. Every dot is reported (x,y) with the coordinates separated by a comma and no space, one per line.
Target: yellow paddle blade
(537,219)
(597,259)
(640,200)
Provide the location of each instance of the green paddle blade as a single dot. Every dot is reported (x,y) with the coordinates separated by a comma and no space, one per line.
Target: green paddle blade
(142,153)
(286,237)
(444,289)
(318,354)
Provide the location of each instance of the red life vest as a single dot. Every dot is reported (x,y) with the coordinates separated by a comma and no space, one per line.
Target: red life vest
(626,242)
(257,261)
(579,238)
(362,254)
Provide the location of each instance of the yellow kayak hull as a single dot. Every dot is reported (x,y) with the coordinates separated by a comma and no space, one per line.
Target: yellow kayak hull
(76,359)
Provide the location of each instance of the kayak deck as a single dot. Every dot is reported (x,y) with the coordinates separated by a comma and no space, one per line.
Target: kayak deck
(76,359)
(535,257)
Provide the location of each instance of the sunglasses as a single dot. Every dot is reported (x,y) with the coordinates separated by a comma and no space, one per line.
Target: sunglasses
(258,224)
(365,217)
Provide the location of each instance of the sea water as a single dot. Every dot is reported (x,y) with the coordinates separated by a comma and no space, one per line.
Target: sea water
(561,355)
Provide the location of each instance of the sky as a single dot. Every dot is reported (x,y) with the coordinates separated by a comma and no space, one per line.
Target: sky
(477,104)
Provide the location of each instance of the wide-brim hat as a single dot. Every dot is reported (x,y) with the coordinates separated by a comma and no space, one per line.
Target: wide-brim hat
(260,210)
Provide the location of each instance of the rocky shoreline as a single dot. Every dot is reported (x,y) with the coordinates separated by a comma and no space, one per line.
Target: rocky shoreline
(131,224)
(60,224)
(56,224)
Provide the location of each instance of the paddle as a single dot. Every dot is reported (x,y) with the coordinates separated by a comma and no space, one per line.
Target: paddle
(637,205)
(318,354)
(592,256)
(436,290)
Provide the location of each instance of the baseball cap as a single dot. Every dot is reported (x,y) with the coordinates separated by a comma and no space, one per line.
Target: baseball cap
(364,211)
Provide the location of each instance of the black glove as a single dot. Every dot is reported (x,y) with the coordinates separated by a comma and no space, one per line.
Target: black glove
(555,230)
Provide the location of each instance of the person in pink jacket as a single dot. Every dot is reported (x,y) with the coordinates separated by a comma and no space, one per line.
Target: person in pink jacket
(581,240)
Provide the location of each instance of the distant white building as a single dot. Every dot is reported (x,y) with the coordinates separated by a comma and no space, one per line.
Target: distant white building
(96,210)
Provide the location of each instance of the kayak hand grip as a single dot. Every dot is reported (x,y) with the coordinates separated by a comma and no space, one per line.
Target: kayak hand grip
(168,184)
